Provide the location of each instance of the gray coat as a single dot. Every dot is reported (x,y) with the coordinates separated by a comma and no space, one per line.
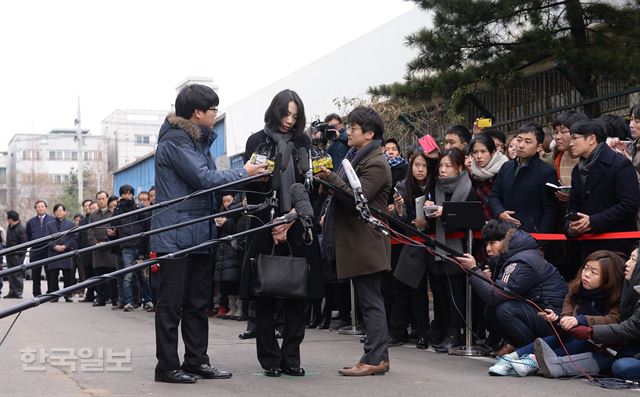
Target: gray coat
(183,165)
(101,257)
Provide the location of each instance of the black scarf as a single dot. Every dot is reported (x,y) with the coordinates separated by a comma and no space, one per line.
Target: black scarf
(329,235)
(585,165)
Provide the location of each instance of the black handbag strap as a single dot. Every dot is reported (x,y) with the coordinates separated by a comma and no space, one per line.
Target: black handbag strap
(273,249)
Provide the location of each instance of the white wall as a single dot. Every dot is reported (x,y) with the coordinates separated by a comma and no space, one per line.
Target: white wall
(379,57)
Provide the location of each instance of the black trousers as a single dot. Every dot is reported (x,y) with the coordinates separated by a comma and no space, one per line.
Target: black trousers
(270,353)
(449,303)
(106,290)
(185,290)
(52,279)
(371,304)
(409,302)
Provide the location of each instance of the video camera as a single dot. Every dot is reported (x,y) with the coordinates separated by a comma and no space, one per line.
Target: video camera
(327,132)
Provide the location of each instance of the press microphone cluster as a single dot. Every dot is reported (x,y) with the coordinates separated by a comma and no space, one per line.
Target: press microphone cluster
(361,200)
(300,201)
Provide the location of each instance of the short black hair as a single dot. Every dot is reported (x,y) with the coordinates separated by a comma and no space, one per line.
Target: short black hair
(195,97)
(368,119)
(534,128)
(497,134)
(332,116)
(589,127)
(126,189)
(461,131)
(485,140)
(102,192)
(496,230)
(143,192)
(568,118)
(152,188)
(77,216)
(279,108)
(13,215)
(615,126)
(59,205)
(111,199)
(85,201)
(394,141)
(40,201)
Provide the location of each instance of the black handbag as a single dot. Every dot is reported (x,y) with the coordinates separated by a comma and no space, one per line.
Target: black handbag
(284,277)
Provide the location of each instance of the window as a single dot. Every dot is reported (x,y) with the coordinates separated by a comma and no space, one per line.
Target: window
(58,178)
(30,155)
(142,139)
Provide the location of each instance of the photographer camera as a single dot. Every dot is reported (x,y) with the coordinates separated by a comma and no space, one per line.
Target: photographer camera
(330,136)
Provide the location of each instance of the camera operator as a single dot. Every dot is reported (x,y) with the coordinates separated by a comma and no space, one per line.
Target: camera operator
(332,137)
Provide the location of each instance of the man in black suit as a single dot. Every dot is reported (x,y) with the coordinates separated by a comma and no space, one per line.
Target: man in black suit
(37,228)
(605,196)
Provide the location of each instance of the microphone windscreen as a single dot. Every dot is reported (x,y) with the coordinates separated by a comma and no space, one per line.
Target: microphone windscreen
(300,200)
(354,181)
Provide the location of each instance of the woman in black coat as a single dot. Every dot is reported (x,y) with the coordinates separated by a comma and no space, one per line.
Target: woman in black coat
(283,142)
(59,246)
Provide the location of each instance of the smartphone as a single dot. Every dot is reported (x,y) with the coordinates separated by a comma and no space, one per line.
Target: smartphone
(397,193)
(484,123)
(573,216)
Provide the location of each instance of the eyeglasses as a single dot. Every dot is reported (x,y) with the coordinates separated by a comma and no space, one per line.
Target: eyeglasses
(352,127)
(214,108)
(574,137)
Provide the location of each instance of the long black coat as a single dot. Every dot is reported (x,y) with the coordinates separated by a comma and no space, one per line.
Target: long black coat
(16,235)
(611,198)
(70,241)
(228,255)
(262,242)
(525,193)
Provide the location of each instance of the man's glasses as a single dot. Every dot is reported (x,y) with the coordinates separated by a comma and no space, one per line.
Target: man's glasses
(214,108)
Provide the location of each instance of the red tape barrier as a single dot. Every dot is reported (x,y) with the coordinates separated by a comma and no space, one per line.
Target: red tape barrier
(543,236)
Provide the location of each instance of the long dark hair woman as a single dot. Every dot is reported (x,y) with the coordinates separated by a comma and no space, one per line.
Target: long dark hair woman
(283,142)
(447,280)
(412,301)
(487,161)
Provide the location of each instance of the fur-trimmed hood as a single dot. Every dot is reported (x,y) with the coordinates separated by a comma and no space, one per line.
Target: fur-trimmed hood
(172,121)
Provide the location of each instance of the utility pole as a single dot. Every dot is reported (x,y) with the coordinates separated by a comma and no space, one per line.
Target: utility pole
(80,167)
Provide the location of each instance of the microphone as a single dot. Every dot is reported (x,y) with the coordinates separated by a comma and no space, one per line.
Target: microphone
(300,201)
(361,199)
(286,218)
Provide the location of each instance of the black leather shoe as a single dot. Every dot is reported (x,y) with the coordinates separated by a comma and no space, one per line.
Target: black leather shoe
(313,324)
(448,343)
(422,343)
(99,304)
(326,323)
(247,335)
(273,372)
(67,299)
(293,371)
(363,338)
(175,376)
(206,371)
(396,342)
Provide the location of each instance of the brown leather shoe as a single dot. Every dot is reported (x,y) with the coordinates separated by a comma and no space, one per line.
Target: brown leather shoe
(385,363)
(505,349)
(362,369)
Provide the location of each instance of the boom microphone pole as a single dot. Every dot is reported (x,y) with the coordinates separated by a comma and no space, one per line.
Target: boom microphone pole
(77,229)
(31,265)
(289,218)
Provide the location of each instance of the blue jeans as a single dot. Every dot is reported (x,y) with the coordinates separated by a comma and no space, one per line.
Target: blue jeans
(518,322)
(129,255)
(623,365)
(573,346)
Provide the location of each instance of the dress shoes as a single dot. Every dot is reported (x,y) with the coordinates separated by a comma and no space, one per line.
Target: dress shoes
(393,342)
(247,335)
(448,343)
(273,372)
(362,369)
(206,371)
(67,299)
(174,376)
(87,299)
(12,296)
(363,339)
(293,371)
(326,323)
(422,343)
(504,350)
(386,363)
(99,304)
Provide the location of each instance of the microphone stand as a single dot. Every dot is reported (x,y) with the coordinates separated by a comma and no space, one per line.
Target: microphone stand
(80,251)
(77,229)
(27,304)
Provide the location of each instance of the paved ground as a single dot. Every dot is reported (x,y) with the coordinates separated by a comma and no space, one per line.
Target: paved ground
(81,330)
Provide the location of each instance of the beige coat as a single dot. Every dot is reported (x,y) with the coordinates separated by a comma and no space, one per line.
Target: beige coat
(360,249)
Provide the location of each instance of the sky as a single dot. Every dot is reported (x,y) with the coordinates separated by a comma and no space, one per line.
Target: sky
(132,54)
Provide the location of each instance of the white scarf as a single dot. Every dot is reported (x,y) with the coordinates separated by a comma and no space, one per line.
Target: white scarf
(491,169)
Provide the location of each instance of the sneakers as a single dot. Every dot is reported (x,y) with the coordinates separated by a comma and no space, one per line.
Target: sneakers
(502,367)
(129,307)
(148,306)
(526,365)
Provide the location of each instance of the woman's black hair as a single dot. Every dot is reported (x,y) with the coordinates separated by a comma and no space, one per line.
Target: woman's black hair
(635,111)
(279,108)
(410,184)
(55,207)
(497,230)
(456,155)
(195,97)
(485,140)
